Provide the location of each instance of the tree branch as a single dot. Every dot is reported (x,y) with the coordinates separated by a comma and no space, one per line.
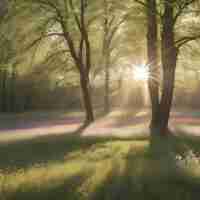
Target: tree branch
(75,15)
(182,7)
(146,6)
(51,5)
(179,43)
(43,37)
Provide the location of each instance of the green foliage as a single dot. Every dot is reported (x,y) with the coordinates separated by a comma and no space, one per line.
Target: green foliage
(25,46)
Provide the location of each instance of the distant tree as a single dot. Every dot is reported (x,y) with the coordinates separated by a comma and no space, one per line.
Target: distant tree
(113,19)
(7,54)
(116,42)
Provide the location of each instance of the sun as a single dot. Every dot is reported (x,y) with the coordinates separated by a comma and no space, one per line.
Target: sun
(141,72)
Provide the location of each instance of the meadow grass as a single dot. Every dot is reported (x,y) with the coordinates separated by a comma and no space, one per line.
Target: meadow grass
(70,167)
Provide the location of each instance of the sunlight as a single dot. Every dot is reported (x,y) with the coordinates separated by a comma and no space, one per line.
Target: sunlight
(141,72)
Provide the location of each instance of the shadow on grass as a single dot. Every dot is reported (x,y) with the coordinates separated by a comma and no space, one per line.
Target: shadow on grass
(66,189)
(141,173)
(22,154)
(148,175)
(46,149)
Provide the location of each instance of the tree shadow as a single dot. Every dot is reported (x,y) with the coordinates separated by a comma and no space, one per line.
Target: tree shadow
(46,149)
(66,189)
(158,175)
(149,175)
(141,173)
(43,149)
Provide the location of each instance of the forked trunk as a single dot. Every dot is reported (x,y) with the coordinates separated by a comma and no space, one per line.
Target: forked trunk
(161,107)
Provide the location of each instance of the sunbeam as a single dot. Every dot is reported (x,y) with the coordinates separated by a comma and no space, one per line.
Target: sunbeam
(141,72)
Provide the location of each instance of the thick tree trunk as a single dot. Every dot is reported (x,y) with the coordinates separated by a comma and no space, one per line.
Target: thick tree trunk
(84,81)
(161,107)
(166,101)
(152,52)
(169,58)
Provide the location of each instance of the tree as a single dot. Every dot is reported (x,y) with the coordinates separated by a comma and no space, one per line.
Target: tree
(7,54)
(171,11)
(169,54)
(115,15)
(71,18)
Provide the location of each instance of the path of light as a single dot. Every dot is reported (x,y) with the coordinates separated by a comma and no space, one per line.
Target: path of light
(141,72)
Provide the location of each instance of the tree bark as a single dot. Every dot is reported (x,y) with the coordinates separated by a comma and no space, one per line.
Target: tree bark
(84,81)
(169,59)
(106,56)
(166,101)
(152,53)
(4,91)
(82,57)
(161,106)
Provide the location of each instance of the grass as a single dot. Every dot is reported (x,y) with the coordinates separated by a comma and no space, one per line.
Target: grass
(67,167)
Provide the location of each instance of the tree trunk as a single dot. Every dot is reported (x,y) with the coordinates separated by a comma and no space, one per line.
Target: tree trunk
(4,91)
(86,98)
(152,52)
(106,56)
(161,107)
(13,89)
(169,58)
(166,101)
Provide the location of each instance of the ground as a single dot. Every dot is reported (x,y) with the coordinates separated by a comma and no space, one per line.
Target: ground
(121,123)
(112,159)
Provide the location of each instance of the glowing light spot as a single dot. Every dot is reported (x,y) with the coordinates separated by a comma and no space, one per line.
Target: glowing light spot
(141,72)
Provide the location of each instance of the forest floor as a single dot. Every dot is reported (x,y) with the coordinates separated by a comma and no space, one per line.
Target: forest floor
(118,123)
(41,158)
